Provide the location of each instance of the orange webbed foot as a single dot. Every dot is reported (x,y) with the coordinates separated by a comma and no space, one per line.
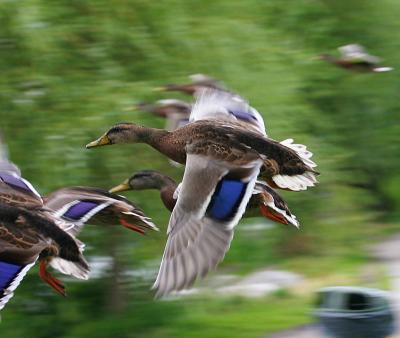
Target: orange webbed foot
(131,226)
(268,213)
(56,284)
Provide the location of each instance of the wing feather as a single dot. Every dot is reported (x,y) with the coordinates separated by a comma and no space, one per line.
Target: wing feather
(196,242)
(224,106)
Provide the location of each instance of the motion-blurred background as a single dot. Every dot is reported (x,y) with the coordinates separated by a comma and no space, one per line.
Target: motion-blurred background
(71,68)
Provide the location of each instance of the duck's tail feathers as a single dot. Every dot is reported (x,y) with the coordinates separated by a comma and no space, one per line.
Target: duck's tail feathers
(301,151)
(78,269)
(300,181)
(11,276)
(295,182)
(383,69)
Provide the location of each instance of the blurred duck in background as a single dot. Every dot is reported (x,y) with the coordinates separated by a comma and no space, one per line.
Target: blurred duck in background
(176,112)
(354,57)
(198,83)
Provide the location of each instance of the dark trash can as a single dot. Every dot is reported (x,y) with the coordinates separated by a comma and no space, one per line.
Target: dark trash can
(354,312)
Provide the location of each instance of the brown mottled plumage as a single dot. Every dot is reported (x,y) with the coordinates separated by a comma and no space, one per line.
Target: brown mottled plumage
(27,235)
(29,231)
(215,136)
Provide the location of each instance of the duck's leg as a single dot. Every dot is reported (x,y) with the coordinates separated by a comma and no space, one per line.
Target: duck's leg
(131,226)
(56,284)
(272,215)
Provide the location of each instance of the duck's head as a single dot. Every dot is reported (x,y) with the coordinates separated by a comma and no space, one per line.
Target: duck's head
(119,133)
(143,180)
(326,57)
(144,107)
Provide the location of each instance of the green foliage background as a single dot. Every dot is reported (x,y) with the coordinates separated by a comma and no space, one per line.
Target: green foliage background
(69,69)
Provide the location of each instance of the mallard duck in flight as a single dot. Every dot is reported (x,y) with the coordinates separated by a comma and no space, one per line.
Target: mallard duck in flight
(176,112)
(28,233)
(43,227)
(286,164)
(198,83)
(264,200)
(223,160)
(355,57)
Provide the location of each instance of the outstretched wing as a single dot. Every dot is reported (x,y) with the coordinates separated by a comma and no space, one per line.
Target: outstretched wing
(206,81)
(356,53)
(13,188)
(11,276)
(82,205)
(212,199)
(224,106)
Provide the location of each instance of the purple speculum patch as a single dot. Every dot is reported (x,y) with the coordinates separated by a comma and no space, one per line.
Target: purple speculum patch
(79,210)
(243,115)
(14,181)
(8,272)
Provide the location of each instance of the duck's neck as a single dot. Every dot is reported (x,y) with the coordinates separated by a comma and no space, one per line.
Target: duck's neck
(142,134)
(163,141)
(330,58)
(167,186)
(167,195)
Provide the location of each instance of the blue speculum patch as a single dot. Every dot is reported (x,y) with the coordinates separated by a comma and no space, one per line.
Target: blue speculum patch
(243,115)
(14,181)
(8,272)
(226,199)
(79,210)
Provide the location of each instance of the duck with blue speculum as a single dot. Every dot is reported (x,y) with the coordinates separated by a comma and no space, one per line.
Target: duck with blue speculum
(88,205)
(238,108)
(223,159)
(33,228)
(263,202)
(291,168)
(28,233)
